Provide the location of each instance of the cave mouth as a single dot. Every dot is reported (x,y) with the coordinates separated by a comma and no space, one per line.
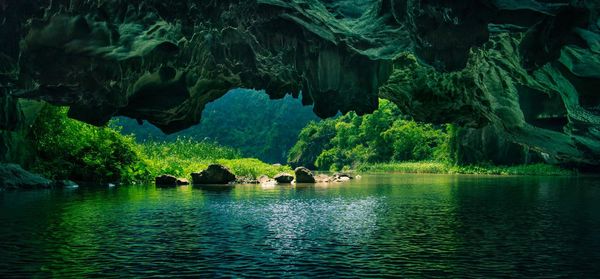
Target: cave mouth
(245,119)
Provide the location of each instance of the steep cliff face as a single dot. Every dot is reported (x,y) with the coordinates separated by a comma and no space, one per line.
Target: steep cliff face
(530,69)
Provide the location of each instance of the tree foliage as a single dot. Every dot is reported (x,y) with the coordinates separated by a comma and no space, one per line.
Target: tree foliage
(383,136)
(69,149)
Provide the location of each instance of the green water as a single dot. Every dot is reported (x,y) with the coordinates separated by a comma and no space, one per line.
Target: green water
(380,225)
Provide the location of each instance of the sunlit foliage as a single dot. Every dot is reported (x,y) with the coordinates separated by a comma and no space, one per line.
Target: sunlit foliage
(69,149)
(383,136)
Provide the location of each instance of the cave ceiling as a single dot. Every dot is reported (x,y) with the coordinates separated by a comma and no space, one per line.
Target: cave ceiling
(530,68)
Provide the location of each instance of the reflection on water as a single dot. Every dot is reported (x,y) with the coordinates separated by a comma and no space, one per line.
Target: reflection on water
(402,225)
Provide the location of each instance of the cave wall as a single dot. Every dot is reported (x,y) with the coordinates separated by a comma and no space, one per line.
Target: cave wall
(529,69)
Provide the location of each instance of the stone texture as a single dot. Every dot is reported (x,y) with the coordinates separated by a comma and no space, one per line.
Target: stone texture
(283,178)
(214,174)
(475,63)
(170,181)
(304,175)
(12,176)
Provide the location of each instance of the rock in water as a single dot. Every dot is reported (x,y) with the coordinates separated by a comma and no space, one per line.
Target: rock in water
(166,180)
(342,176)
(12,176)
(263,179)
(304,175)
(322,178)
(246,180)
(283,178)
(182,181)
(214,174)
(65,184)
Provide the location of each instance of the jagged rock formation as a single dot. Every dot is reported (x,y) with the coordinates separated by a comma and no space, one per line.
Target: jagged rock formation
(528,69)
(13,177)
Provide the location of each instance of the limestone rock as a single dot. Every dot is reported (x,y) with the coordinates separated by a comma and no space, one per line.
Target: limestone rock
(65,184)
(304,175)
(182,181)
(342,175)
(246,180)
(283,178)
(214,174)
(323,178)
(12,176)
(473,62)
(170,181)
(264,179)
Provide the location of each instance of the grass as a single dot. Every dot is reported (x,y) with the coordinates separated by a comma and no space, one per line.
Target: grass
(184,156)
(443,168)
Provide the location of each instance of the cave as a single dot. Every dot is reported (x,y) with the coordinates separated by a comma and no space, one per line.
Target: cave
(300,138)
(472,63)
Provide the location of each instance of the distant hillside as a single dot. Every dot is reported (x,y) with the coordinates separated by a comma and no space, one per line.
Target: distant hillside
(243,119)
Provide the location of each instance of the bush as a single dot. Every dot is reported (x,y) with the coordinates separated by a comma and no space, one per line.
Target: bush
(352,140)
(69,149)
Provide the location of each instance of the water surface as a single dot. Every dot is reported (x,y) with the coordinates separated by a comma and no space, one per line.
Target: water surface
(381,225)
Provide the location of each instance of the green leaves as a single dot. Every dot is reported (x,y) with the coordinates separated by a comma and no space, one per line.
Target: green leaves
(69,149)
(383,136)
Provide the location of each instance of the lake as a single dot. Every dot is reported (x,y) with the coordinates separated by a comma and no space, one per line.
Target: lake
(377,226)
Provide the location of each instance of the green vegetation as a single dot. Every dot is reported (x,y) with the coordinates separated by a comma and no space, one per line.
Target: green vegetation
(382,141)
(184,156)
(246,120)
(445,168)
(69,149)
(385,142)
(350,141)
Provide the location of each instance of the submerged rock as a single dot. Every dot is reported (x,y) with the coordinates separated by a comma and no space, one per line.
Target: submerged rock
(214,174)
(284,178)
(65,184)
(342,175)
(166,180)
(246,180)
(12,176)
(170,181)
(263,179)
(182,181)
(304,175)
(322,178)
(342,179)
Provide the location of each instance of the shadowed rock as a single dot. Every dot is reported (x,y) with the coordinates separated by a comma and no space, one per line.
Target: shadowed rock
(340,176)
(12,176)
(304,175)
(284,178)
(214,174)
(170,181)
(475,63)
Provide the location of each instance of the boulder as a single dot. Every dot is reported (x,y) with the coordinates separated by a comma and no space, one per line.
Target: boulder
(166,180)
(263,179)
(323,178)
(283,178)
(12,176)
(304,175)
(342,179)
(214,174)
(182,181)
(341,175)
